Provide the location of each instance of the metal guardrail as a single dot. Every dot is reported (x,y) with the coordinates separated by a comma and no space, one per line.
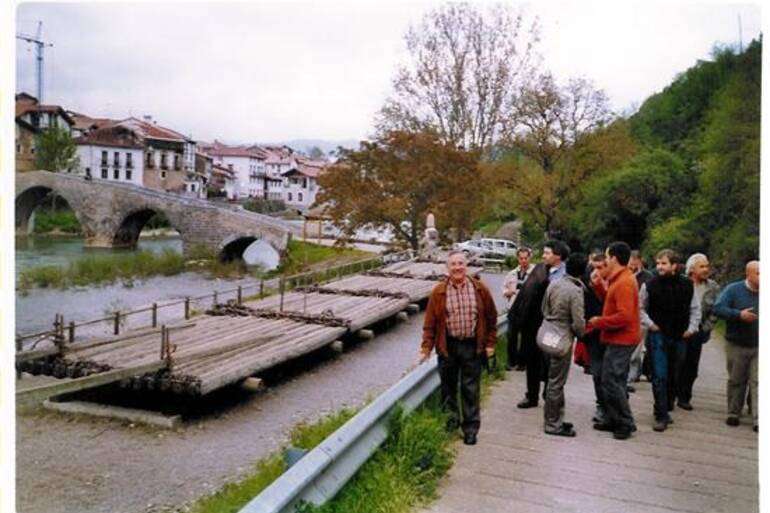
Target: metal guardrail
(323,471)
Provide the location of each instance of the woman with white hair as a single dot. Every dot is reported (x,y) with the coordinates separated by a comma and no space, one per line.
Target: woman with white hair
(706,290)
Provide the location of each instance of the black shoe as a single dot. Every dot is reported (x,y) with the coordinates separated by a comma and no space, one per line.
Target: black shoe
(621,434)
(568,425)
(603,426)
(732,421)
(521,367)
(630,389)
(526,403)
(452,425)
(469,439)
(684,405)
(660,425)
(564,431)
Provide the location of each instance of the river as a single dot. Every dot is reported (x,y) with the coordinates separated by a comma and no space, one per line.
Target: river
(36,309)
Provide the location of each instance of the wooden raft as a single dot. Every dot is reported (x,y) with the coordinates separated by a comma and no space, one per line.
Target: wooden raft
(416,290)
(421,270)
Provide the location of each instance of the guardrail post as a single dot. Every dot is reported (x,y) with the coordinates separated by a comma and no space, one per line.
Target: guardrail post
(72,332)
(240,295)
(116,322)
(216,298)
(281,288)
(261,288)
(187,307)
(154,315)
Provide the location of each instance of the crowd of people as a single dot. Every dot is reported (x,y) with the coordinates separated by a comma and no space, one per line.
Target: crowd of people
(629,322)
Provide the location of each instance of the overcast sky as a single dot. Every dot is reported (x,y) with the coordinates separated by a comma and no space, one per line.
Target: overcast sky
(270,71)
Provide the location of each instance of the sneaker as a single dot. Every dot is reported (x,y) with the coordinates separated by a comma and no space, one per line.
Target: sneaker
(564,431)
(684,405)
(732,421)
(526,403)
(469,439)
(660,425)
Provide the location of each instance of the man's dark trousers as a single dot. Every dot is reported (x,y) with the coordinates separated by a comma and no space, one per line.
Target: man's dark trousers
(596,353)
(614,380)
(689,374)
(463,366)
(515,355)
(536,362)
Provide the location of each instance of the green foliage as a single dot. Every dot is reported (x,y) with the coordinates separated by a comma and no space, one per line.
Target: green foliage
(159,220)
(300,256)
(650,188)
(263,206)
(55,150)
(307,435)
(63,221)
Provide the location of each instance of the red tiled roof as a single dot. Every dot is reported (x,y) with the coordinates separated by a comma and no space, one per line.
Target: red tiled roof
(221,150)
(152,131)
(115,136)
(84,122)
(307,167)
(26,103)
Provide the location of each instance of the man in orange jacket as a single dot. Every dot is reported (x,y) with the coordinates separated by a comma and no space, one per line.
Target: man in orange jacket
(461,324)
(619,327)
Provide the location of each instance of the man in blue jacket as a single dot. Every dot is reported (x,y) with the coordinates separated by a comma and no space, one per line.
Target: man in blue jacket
(738,304)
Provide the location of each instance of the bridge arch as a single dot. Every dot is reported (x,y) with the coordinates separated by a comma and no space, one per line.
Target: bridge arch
(29,199)
(131,223)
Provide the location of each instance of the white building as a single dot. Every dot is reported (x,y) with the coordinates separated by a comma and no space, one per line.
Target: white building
(300,183)
(247,165)
(114,153)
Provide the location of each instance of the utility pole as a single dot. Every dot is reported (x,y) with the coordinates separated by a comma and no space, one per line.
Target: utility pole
(740,33)
(40,45)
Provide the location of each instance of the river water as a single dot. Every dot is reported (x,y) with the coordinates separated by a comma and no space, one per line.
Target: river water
(36,309)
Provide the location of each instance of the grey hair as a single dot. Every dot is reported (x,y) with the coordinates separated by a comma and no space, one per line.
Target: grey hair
(453,252)
(694,259)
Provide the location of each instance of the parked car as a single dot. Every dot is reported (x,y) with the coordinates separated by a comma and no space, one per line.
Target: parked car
(474,248)
(500,248)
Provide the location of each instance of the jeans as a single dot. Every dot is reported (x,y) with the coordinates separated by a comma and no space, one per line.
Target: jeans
(691,363)
(463,366)
(614,378)
(668,356)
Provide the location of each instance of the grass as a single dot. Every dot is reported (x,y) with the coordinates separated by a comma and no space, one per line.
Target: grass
(97,269)
(403,473)
(303,256)
(233,496)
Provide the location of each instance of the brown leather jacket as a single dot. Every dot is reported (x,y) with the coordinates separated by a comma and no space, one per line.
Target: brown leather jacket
(434,327)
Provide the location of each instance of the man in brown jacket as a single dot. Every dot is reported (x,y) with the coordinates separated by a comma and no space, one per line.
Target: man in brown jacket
(461,324)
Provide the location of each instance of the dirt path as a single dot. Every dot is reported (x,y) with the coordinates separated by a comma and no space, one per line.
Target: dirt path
(66,463)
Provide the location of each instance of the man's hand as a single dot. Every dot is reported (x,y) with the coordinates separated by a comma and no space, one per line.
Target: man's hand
(595,278)
(748,316)
(490,352)
(688,334)
(423,357)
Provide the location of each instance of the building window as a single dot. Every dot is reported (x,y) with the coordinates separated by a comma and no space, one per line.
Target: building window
(163,163)
(304,183)
(162,175)
(289,196)
(176,161)
(129,164)
(104,173)
(299,197)
(128,173)
(117,159)
(149,163)
(104,158)
(116,173)
(18,147)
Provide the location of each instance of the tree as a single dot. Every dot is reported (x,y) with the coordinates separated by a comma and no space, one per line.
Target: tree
(465,72)
(397,180)
(315,153)
(564,140)
(56,151)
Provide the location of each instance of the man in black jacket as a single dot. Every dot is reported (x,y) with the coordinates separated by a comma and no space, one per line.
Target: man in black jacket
(593,308)
(671,313)
(526,313)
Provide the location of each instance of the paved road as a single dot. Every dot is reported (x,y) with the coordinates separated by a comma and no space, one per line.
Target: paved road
(698,465)
(67,463)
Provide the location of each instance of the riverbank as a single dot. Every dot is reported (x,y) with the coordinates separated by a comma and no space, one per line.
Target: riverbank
(126,267)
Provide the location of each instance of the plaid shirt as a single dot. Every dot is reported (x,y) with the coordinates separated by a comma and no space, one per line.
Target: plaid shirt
(461,310)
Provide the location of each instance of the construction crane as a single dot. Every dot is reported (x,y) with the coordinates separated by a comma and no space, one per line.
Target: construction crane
(40,45)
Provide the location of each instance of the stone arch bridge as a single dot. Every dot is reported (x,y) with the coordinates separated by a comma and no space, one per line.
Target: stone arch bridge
(112,214)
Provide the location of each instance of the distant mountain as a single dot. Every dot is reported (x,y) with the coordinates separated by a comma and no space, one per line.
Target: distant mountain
(326,146)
